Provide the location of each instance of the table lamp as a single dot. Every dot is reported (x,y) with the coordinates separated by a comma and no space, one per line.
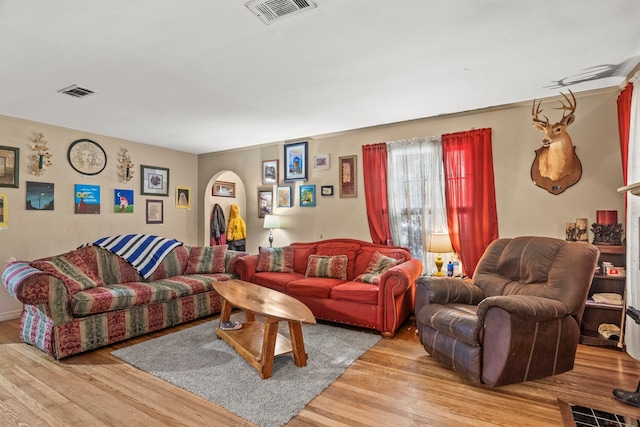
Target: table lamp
(439,243)
(271,222)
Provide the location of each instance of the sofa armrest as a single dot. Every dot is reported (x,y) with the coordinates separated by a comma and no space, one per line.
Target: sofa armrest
(34,287)
(246,267)
(531,308)
(449,290)
(399,278)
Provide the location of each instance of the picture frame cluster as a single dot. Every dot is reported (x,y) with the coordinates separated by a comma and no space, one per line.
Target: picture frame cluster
(296,169)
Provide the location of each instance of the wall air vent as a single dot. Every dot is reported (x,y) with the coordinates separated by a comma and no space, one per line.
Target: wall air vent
(274,10)
(76,91)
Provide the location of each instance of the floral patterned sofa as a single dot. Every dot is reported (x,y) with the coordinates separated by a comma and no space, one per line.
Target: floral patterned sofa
(91,297)
(341,280)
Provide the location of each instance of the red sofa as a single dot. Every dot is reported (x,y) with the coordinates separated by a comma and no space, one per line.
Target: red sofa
(382,305)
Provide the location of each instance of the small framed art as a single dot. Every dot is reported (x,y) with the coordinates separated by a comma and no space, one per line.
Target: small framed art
(87,199)
(154,181)
(270,172)
(123,201)
(183,197)
(9,166)
(87,157)
(224,189)
(40,196)
(348,185)
(265,202)
(4,211)
(307,195)
(155,212)
(321,161)
(295,158)
(283,197)
(326,190)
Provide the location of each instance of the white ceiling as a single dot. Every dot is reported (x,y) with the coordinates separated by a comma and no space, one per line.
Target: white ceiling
(207,75)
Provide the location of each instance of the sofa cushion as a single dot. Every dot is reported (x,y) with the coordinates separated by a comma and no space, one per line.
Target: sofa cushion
(76,277)
(379,264)
(366,254)
(276,259)
(206,260)
(173,264)
(302,251)
(274,280)
(327,266)
(341,248)
(313,287)
(231,260)
(358,292)
(115,297)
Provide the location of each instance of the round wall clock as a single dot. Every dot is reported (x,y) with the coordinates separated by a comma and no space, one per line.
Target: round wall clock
(87,157)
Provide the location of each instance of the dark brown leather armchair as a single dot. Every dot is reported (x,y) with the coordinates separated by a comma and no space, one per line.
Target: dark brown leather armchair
(518,319)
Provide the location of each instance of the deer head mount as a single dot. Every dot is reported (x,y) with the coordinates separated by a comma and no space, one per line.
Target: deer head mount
(556,166)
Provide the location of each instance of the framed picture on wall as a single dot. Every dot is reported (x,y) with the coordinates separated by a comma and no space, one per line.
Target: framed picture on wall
(284,197)
(307,195)
(270,172)
(4,210)
(183,197)
(87,157)
(9,168)
(40,196)
(348,185)
(154,181)
(265,202)
(224,189)
(321,161)
(326,190)
(155,212)
(123,200)
(87,199)
(295,159)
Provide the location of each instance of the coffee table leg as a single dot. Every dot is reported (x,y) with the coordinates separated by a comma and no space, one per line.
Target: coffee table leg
(297,343)
(225,313)
(268,348)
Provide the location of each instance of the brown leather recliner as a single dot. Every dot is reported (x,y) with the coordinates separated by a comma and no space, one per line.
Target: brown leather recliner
(518,319)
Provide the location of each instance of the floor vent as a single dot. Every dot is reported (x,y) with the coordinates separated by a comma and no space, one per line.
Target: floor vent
(274,10)
(77,91)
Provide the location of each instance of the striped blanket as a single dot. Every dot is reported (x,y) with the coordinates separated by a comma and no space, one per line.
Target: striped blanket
(143,251)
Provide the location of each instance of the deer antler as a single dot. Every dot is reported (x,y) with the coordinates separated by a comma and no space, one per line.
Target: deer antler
(535,111)
(571,107)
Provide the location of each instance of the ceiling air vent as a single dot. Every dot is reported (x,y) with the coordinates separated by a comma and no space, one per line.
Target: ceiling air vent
(76,91)
(274,10)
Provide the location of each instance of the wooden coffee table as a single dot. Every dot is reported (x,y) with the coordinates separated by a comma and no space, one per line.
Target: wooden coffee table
(259,343)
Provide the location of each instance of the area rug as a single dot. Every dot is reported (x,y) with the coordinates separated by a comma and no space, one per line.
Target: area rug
(197,361)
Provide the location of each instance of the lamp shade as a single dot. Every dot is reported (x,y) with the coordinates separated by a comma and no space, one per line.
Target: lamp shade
(271,221)
(440,243)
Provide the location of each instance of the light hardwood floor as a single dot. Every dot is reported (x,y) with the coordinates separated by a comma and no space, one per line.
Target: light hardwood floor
(394,384)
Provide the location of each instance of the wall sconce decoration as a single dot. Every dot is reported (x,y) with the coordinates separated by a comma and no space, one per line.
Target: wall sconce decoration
(42,158)
(125,165)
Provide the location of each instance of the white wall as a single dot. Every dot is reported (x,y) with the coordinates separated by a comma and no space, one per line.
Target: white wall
(35,234)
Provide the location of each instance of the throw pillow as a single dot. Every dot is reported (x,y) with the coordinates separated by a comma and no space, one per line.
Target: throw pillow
(379,264)
(373,279)
(276,259)
(206,260)
(327,266)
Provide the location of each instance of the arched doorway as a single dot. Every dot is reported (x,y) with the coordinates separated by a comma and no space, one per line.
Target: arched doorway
(227,180)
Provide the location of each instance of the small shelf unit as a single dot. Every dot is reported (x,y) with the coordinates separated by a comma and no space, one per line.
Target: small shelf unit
(595,313)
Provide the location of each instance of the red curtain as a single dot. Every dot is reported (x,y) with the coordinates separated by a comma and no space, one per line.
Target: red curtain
(624,118)
(470,194)
(374,160)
